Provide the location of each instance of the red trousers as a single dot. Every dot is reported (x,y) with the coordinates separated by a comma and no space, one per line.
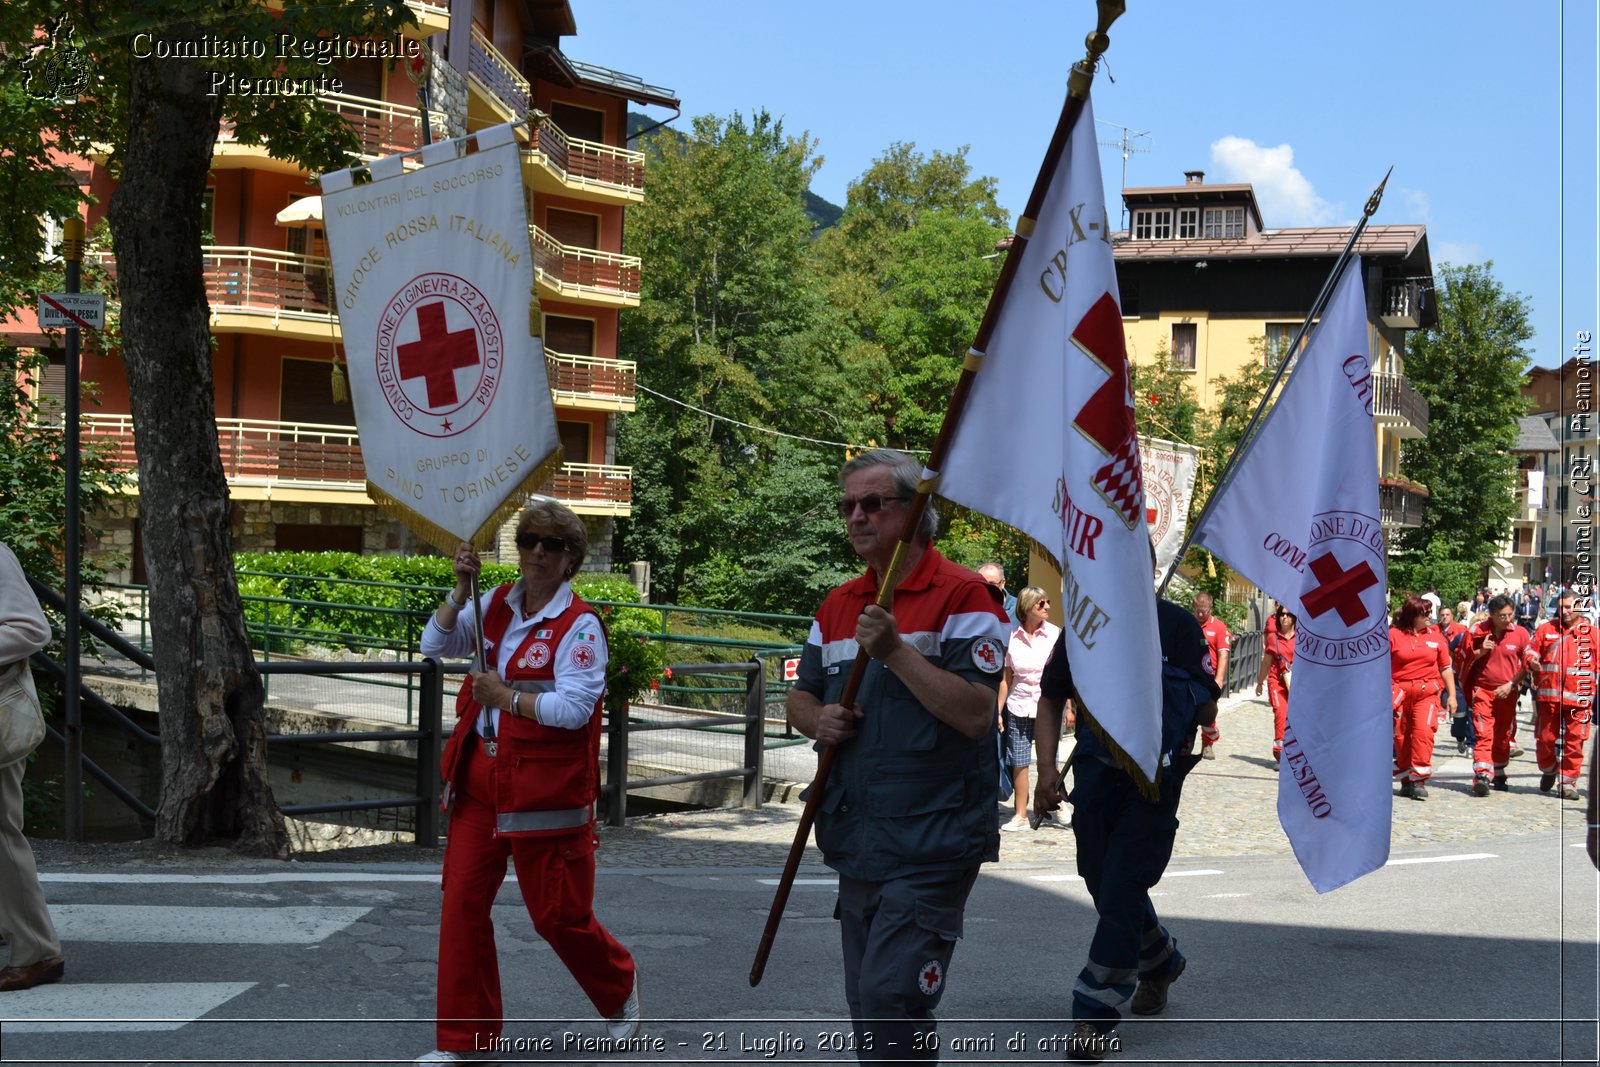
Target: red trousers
(556,876)
(1416,720)
(1571,724)
(1278,697)
(1493,721)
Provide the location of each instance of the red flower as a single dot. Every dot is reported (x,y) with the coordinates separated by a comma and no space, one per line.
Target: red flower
(1155,398)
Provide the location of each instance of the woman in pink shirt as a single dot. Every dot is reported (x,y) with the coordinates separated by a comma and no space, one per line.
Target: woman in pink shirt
(1030,646)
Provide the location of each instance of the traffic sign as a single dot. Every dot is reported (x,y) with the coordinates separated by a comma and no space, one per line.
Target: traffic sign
(60,310)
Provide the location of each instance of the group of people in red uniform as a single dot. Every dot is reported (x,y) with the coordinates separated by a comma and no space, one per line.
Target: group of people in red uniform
(1492,658)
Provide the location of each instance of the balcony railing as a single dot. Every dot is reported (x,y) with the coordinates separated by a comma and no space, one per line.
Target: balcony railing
(282,285)
(1406,304)
(383,129)
(590,377)
(258,452)
(1400,503)
(584,271)
(494,72)
(1397,403)
(587,163)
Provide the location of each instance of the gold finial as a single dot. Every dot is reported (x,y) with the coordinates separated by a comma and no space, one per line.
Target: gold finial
(1097,42)
(1377,195)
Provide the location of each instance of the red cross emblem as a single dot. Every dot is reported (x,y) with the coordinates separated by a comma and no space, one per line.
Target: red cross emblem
(437,354)
(1340,590)
(1107,418)
(419,355)
(583,657)
(930,977)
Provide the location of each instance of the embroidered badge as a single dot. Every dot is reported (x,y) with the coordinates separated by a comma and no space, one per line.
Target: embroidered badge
(543,634)
(583,657)
(930,977)
(589,636)
(987,655)
(538,655)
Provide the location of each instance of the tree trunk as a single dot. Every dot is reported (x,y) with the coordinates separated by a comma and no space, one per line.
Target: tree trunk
(214,787)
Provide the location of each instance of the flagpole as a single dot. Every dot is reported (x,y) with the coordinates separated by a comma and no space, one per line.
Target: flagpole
(1077,93)
(1247,438)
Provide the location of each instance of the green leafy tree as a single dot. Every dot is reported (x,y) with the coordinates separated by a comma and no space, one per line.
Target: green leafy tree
(155,121)
(1470,369)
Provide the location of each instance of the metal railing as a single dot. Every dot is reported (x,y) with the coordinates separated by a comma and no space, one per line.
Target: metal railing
(382,128)
(1400,505)
(586,163)
(619,729)
(1244,661)
(577,378)
(425,800)
(491,70)
(261,281)
(575,271)
(1394,397)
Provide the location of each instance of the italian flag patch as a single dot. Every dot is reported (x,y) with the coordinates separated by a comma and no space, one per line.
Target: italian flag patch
(540,635)
(590,636)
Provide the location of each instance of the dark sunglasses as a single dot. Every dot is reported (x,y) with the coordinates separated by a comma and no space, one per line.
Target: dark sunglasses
(871,504)
(526,540)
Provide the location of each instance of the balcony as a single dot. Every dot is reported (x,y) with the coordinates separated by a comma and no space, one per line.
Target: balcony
(431,19)
(589,170)
(260,291)
(382,128)
(1408,304)
(1397,405)
(311,462)
(590,382)
(502,93)
(585,274)
(1401,503)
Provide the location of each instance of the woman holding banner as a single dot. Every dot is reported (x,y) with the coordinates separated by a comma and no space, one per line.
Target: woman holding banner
(521,773)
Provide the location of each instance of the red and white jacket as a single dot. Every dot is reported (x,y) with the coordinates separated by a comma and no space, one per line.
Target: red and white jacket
(1566,659)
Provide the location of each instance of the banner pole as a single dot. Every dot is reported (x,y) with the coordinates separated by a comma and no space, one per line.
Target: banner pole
(1077,92)
(1290,356)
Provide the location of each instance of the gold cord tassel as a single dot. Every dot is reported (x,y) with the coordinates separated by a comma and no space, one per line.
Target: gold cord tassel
(341,388)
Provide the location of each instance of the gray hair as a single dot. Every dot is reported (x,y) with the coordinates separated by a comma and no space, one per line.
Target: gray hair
(907,473)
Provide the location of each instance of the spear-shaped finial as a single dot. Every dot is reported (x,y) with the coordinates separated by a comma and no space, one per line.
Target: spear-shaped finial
(1377,195)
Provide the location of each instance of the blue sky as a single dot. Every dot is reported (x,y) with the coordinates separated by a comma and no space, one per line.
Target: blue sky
(1488,118)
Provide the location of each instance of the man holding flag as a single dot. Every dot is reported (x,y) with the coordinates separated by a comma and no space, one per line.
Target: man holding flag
(1309,536)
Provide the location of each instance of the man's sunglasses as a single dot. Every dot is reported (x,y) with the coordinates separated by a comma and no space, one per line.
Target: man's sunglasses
(526,540)
(871,504)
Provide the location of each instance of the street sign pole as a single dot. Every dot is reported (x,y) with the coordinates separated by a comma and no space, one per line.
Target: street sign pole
(72,253)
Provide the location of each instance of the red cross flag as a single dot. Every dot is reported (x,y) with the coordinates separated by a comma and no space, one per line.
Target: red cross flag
(1056,364)
(1169,469)
(1299,518)
(433,273)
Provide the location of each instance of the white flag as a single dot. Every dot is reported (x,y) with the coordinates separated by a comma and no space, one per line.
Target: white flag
(433,272)
(1169,470)
(1047,444)
(1299,518)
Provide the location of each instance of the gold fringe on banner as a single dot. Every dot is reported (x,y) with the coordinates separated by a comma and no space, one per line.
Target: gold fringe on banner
(445,541)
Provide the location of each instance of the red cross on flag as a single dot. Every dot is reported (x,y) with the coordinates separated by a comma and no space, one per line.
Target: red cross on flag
(1299,518)
(433,275)
(1056,364)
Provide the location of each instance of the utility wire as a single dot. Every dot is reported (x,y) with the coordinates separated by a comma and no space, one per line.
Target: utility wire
(760,429)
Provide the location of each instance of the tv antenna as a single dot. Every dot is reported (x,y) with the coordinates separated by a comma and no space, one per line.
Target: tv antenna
(1127,144)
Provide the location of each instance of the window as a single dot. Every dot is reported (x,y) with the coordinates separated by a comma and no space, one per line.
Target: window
(1224,222)
(1185,338)
(305,394)
(1279,336)
(1152,224)
(569,336)
(582,123)
(576,229)
(1188,223)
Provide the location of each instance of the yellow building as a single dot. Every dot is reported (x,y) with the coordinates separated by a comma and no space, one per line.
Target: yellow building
(1206,285)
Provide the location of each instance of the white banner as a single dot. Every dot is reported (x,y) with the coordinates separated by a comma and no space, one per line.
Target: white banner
(1071,480)
(1299,518)
(1169,472)
(433,274)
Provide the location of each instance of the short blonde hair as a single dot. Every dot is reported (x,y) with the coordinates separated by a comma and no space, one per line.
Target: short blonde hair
(1027,599)
(560,520)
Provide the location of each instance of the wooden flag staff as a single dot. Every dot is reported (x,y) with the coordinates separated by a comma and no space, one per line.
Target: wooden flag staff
(1077,92)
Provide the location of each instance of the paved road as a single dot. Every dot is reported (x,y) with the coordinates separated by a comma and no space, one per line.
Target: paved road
(1476,945)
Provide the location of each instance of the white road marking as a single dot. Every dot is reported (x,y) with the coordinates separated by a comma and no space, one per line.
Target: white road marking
(800,881)
(112,1007)
(1444,859)
(201,926)
(232,879)
(1186,874)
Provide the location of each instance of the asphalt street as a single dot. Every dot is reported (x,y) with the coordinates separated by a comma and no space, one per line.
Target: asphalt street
(1474,945)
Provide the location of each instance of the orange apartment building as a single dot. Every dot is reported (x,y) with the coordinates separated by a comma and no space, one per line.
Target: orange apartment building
(290,452)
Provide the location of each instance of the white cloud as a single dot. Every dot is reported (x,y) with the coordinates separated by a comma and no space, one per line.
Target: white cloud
(1416,206)
(1285,195)
(1459,253)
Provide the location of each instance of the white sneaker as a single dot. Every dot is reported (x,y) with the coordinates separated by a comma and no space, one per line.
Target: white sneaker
(441,1055)
(1018,822)
(1052,820)
(627,1022)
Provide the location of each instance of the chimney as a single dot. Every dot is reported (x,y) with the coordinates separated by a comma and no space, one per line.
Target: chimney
(1194,177)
